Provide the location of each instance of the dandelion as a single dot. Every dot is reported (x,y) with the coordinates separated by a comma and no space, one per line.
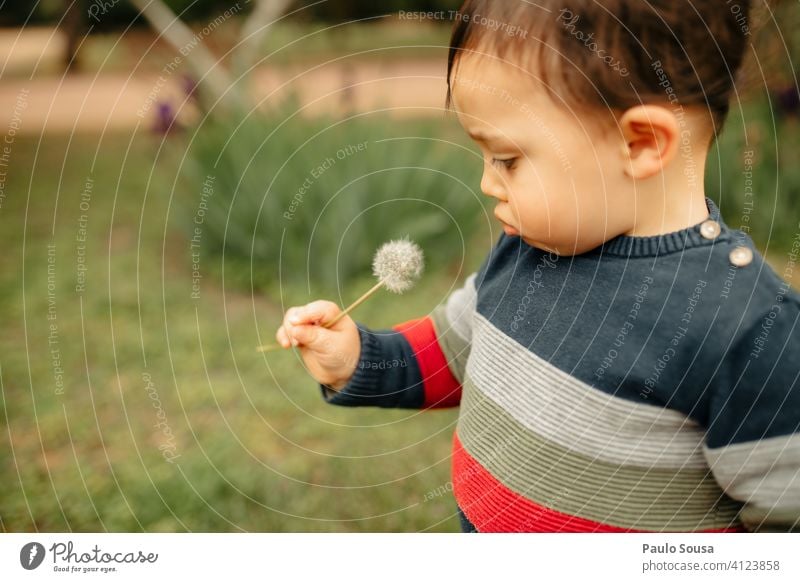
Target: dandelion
(397,265)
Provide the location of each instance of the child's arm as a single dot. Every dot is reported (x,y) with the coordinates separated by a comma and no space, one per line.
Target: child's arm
(753,438)
(416,364)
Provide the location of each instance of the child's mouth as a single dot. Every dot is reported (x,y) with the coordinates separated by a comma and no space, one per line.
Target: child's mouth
(508,229)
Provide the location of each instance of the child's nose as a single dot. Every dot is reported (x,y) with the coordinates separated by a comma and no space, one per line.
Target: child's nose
(492,184)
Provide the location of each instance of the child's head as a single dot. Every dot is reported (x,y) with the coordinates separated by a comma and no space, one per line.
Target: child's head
(602,113)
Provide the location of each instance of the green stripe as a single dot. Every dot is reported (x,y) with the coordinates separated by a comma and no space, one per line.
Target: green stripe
(618,495)
(455,348)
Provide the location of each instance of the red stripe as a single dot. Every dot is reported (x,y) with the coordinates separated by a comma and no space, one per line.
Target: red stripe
(442,389)
(492,507)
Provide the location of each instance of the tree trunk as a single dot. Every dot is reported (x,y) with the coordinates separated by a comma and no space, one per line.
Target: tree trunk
(251,38)
(214,83)
(73,25)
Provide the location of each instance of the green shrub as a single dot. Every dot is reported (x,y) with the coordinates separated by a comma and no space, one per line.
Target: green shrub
(755,151)
(298,199)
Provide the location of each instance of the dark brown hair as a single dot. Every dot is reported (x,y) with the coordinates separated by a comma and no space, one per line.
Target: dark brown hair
(617,54)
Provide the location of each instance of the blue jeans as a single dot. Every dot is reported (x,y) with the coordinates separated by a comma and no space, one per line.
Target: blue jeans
(466,524)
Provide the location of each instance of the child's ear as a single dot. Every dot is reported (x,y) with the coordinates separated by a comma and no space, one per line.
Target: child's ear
(651,137)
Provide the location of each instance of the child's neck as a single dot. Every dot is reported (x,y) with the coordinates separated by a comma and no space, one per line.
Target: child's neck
(671,201)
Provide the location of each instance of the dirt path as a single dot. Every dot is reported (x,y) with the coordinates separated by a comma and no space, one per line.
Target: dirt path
(91,103)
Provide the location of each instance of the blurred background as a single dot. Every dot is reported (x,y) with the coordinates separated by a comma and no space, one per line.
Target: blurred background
(174,174)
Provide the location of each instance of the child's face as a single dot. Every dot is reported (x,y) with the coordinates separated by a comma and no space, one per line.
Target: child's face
(558,179)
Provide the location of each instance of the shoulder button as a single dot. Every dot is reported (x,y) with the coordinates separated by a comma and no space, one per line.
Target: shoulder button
(710,229)
(741,256)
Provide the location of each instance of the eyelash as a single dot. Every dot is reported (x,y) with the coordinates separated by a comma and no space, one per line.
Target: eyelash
(507,164)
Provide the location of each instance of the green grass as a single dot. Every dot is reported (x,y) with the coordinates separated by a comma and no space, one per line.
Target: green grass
(259,449)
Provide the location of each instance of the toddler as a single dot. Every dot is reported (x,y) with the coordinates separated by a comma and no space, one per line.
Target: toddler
(623,360)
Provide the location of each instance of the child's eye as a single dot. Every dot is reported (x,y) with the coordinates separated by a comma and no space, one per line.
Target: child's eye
(508,163)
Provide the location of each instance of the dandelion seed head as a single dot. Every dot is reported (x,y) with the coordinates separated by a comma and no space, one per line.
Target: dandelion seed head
(399,264)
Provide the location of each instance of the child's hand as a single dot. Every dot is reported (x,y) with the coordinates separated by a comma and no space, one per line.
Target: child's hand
(331,355)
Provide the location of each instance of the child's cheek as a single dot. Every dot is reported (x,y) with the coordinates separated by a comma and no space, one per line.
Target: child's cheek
(567,216)
(540,220)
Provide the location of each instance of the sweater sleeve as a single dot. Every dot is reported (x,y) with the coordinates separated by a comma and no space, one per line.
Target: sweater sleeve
(417,364)
(753,437)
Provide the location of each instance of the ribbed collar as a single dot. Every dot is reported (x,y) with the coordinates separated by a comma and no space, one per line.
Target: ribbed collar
(662,244)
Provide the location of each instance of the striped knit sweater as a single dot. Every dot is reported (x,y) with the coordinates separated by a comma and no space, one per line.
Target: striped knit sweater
(650,384)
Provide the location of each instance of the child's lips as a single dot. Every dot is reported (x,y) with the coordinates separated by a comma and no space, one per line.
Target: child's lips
(507,228)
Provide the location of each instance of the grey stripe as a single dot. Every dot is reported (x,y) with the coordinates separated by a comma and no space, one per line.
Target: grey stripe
(460,308)
(630,497)
(765,473)
(455,348)
(575,415)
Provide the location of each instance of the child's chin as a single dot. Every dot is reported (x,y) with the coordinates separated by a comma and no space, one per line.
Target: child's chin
(540,246)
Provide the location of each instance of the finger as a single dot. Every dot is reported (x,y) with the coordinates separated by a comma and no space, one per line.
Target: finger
(291,315)
(318,312)
(282,337)
(288,327)
(314,337)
